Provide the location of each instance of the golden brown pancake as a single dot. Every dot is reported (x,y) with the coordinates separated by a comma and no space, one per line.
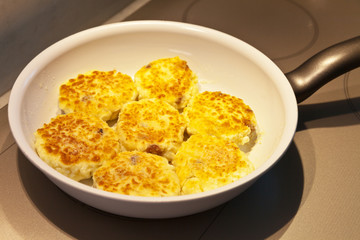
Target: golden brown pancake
(151,125)
(76,144)
(169,79)
(220,115)
(98,93)
(206,162)
(139,174)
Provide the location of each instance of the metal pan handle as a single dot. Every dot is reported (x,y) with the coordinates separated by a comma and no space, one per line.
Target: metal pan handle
(324,67)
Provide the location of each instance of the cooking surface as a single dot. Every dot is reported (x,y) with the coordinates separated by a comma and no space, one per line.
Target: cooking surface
(312,193)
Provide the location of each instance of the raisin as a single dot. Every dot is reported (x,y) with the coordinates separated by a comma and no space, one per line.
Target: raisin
(154,149)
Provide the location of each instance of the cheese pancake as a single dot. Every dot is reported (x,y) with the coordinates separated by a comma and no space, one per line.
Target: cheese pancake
(151,125)
(220,115)
(169,79)
(76,144)
(139,174)
(206,162)
(99,93)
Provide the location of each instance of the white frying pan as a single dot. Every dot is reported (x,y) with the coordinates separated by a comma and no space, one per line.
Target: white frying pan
(222,63)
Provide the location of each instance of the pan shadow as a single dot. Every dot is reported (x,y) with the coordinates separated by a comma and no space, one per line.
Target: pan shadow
(331,114)
(270,203)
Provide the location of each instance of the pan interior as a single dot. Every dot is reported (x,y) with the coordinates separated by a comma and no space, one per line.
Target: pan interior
(221,62)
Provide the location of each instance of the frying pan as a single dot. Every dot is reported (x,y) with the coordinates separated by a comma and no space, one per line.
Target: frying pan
(222,63)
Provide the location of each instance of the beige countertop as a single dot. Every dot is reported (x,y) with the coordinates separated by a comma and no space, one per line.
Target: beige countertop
(311,193)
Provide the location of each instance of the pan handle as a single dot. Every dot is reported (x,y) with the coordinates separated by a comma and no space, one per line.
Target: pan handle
(324,67)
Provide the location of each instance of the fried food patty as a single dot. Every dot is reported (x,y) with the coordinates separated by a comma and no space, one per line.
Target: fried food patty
(169,79)
(76,144)
(220,115)
(139,174)
(99,93)
(206,162)
(151,125)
